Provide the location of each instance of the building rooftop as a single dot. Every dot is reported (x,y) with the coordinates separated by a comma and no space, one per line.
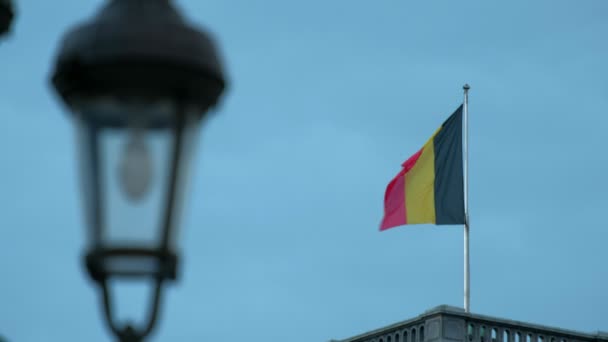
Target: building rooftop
(451,324)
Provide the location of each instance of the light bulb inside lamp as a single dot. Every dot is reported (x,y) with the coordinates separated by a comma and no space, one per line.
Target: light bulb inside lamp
(135,168)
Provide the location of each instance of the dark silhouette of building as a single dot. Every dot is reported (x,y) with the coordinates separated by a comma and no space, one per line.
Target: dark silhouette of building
(450,324)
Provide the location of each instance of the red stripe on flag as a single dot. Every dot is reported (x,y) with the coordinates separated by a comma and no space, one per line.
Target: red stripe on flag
(394,197)
(409,164)
(394,203)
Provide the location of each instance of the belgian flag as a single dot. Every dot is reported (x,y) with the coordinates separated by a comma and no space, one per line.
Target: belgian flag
(430,186)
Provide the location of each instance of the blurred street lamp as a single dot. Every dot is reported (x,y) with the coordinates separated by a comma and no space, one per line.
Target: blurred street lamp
(138,80)
(7,12)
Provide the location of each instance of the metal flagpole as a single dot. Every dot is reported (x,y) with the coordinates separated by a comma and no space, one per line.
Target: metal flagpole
(467,276)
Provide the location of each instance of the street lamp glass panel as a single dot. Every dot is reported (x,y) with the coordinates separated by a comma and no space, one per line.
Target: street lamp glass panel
(134,158)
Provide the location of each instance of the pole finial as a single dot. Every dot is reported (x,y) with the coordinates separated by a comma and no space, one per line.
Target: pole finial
(466,86)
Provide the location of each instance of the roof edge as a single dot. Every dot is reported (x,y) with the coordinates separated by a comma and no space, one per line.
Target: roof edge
(449,310)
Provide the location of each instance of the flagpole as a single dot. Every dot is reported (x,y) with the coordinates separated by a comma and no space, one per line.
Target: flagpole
(467,276)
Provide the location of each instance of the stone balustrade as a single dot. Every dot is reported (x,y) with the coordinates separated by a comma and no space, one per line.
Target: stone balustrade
(450,324)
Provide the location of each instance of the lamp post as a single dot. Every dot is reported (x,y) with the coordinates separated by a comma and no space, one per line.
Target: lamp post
(138,80)
(7,13)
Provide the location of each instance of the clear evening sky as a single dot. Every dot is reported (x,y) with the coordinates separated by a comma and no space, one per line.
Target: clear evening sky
(327,99)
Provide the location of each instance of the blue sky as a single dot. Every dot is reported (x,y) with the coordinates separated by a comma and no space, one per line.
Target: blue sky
(327,98)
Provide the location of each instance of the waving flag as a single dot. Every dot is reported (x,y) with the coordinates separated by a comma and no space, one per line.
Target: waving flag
(430,187)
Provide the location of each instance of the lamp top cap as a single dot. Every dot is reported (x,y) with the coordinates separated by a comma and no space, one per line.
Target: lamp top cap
(7,12)
(139,46)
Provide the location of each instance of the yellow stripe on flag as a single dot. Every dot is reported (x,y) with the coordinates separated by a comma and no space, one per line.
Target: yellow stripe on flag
(420,187)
